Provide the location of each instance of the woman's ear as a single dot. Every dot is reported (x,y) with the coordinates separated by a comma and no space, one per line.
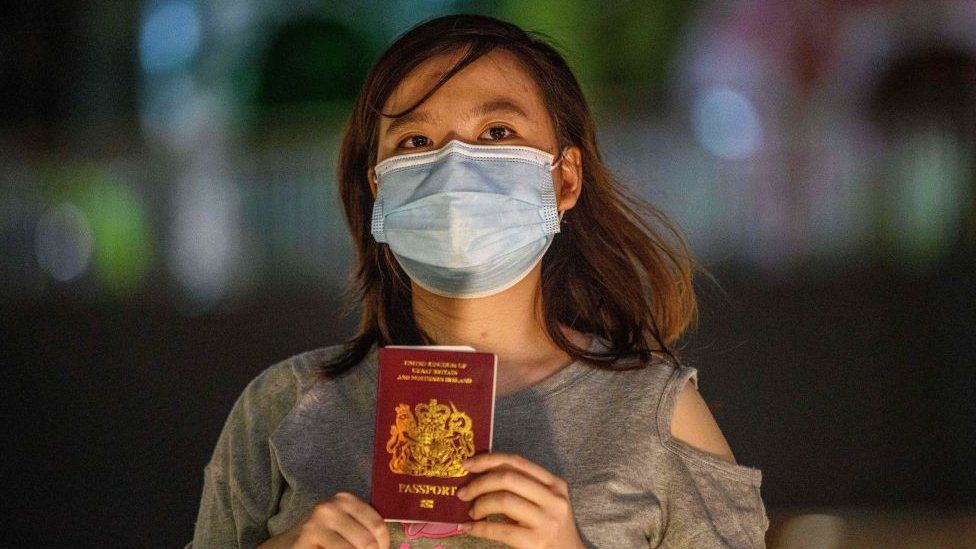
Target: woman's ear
(570,183)
(370,176)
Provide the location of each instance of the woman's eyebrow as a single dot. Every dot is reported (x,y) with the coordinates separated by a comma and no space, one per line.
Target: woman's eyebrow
(409,118)
(489,107)
(498,105)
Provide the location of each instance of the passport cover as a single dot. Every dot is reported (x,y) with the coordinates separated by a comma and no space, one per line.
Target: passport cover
(435,407)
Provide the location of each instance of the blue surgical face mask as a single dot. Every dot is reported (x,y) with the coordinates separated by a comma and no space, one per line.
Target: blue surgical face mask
(467,220)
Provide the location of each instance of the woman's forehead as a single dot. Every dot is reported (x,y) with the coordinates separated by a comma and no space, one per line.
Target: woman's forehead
(497,74)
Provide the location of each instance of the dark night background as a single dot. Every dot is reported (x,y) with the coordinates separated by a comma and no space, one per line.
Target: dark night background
(169,228)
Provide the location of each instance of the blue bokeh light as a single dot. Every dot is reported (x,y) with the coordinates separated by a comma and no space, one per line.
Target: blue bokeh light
(170,36)
(726,124)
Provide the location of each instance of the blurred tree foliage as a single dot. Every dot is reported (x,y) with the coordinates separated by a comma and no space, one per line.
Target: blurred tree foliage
(312,68)
(621,51)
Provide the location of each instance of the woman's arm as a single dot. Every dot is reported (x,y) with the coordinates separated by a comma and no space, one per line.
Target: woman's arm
(693,424)
(242,483)
(711,501)
(223,518)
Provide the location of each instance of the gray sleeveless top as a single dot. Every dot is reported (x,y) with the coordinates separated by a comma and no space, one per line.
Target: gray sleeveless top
(291,441)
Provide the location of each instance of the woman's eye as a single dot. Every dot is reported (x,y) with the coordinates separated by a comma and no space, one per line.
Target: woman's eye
(496,133)
(414,141)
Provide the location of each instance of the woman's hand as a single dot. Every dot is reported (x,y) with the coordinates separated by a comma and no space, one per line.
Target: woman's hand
(342,521)
(534,499)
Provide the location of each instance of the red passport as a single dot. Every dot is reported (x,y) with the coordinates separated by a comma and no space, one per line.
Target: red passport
(435,407)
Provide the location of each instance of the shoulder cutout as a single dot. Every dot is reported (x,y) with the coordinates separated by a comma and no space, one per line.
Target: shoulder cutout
(693,424)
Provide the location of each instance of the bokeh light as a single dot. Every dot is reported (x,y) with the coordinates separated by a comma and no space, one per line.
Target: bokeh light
(170,36)
(726,123)
(929,172)
(95,223)
(204,252)
(63,242)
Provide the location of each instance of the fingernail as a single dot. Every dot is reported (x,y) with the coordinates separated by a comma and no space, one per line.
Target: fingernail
(464,527)
(466,463)
(462,493)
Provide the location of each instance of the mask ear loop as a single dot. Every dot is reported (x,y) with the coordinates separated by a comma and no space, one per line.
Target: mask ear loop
(562,155)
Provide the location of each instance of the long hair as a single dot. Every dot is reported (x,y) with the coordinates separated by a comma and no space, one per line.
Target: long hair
(611,271)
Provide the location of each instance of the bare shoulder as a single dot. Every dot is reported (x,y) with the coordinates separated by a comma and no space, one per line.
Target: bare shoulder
(692,423)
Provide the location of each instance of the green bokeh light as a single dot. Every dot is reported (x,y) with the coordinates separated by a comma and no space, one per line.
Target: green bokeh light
(122,236)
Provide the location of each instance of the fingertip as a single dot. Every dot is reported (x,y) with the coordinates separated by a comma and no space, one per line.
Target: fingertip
(383,535)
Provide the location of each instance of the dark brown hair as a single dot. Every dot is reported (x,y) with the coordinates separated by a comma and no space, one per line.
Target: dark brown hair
(610,271)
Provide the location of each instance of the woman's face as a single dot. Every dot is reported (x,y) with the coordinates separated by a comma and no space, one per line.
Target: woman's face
(493,100)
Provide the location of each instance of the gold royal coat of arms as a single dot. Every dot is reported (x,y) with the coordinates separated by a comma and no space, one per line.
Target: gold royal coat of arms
(430,441)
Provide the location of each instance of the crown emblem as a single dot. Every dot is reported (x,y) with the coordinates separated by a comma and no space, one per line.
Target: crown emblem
(430,441)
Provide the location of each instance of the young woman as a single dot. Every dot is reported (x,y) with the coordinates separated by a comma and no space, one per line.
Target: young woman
(483,215)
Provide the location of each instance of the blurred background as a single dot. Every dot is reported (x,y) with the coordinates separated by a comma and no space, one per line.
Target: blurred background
(169,228)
